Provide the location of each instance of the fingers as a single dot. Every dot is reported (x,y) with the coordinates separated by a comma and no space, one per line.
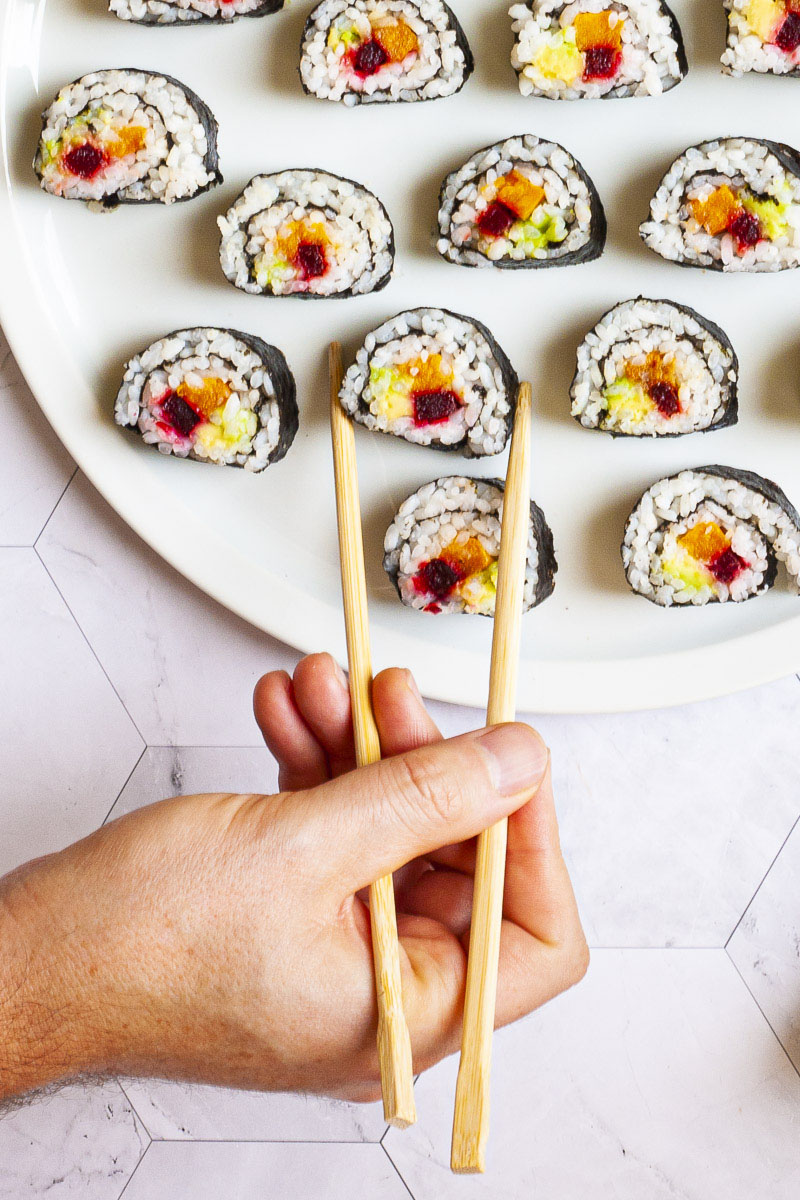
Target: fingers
(400,714)
(380,817)
(444,896)
(302,762)
(322,696)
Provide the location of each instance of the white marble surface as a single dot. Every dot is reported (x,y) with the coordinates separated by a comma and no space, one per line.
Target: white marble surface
(672,1071)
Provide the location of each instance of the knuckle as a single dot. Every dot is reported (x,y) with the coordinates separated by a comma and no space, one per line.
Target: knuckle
(579,959)
(423,792)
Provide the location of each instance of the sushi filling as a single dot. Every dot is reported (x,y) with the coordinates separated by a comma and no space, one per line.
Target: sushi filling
(711,556)
(413,386)
(296,251)
(725,217)
(763,35)
(203,394)
(464,574)
(592,49)
(106,147)
(511,217)
(382,50)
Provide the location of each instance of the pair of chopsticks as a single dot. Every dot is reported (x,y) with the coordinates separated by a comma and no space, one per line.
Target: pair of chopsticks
(471,1120)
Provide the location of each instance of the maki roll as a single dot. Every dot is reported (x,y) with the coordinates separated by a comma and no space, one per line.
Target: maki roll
(371,51)
(306,233)
(596,49)
(127,137)
(216,395)
(653,368)
(441,549)
(435,378)
(710,535)
(732,204)
(523,202)
(763,35)
(185,12)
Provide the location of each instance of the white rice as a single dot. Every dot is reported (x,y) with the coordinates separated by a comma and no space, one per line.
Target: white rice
(190,355)
(545,164)
(674,233)
(439,68)
(173,164)
(482,424)
(704,366)
(651,57)
(159,12)
(745,50)
(455,508)
(360,232)
(751,519)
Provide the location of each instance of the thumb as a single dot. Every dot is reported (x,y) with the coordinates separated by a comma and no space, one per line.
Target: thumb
(378,818)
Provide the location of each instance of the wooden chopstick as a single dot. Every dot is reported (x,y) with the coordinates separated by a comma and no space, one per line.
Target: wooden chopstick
(394,1043)
(471,1118)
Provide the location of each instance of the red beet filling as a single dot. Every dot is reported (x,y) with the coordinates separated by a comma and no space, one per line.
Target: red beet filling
(788,38)
(310,260)
(726,565)
(746,229)
(665,398)
(181,416)
(85,160)
(369,58)
(495,220)
(437,577)
(434,408)
(601,62)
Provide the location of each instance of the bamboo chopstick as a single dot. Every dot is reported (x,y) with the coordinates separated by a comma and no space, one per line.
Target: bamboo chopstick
(394,1044)
(471,1118)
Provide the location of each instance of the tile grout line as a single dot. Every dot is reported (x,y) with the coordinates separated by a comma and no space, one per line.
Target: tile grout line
(92,650)
(145,1152)
(51,514)
(395,1168)
(119,793)
(750,902)
(767,1021)
(137,1114)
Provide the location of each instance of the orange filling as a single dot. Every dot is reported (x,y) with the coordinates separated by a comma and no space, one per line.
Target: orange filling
(715,213)
(596,29)
(127,141)
(653,370)
(296,233)
(398,40)
(470,558)
(519,194)
(208,398)
(431,376)
(704,541)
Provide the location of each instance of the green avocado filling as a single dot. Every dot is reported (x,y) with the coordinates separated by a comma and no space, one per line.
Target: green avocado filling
(543,229)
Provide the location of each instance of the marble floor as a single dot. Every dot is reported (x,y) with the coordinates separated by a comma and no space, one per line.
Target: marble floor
(670,1072)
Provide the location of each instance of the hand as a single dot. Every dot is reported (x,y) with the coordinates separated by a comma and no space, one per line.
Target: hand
(225,939)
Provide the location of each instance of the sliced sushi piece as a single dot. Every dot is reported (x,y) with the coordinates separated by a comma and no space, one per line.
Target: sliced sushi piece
(441,549)
(215,395)
(306,233)
(763,35)
(732,204)
(435,378)
(596,49)
(653,368)
(372,51)
(710,535)
(523,202)
(127,137)
(186,12)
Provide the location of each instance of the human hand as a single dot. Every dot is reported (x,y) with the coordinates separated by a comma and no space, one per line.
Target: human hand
(225,939)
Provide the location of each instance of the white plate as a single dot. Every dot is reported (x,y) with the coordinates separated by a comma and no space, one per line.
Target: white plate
(79,292)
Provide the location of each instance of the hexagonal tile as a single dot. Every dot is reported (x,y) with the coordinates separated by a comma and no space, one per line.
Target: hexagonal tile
(173,1110)
(68,744)
(184,666)
(766,947)
(207,1171)
(656,1077)
(36,467)
(670,819)
(81,1141)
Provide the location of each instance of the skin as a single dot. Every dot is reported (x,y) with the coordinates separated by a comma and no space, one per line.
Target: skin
(225,939)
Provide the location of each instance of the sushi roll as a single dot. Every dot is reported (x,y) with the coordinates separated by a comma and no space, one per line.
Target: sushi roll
(653,368)
(435,378)
(127,137)
(523,202)
(763,35)
(215,395)
(441,548)
(374,51)
(732,204)
(309,234)
(194,12)
(710,535)
(596,49)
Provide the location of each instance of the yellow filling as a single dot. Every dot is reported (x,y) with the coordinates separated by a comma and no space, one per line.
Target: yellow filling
(764,17)
(392,387)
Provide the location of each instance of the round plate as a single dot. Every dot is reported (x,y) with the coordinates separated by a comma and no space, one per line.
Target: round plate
(80,292)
